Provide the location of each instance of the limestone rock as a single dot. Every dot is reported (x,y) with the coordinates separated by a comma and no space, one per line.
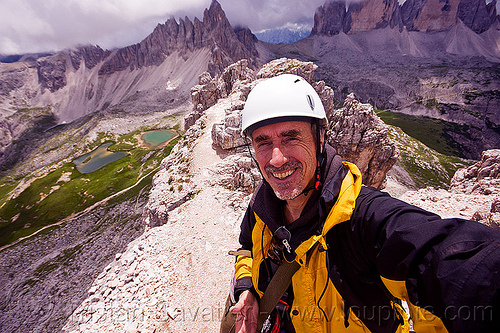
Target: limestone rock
(91,56)
(227,133)
(372,14)
(361,137)
(474,14)
(429,15)
(172,185)
(52,72)
(290,66)
(482,177)
(489,214)
(329,19)
(492,11)
(236,172)
(210,90)
(474,193)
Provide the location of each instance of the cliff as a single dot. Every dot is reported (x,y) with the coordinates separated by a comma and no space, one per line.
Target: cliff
(415,15)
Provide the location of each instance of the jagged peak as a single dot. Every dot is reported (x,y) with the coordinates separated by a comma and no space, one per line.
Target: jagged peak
(215,16)
(214,32)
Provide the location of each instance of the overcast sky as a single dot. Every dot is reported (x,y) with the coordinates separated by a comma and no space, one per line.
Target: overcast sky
(51,25)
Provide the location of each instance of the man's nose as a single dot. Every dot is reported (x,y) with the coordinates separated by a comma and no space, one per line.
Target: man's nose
(278,158)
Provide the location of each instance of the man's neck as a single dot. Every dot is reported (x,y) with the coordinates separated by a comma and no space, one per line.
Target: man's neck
(293,208)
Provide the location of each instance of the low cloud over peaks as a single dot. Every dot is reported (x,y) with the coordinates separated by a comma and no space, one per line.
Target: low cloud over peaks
(41,26)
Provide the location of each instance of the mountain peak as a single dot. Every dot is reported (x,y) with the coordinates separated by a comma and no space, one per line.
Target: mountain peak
(214,32)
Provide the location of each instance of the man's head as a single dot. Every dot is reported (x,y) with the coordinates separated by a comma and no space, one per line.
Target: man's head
(285,120)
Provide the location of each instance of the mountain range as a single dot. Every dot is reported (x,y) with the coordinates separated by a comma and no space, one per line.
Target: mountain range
(429,65)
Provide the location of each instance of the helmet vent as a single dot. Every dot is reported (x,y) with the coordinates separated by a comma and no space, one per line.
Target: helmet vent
(310,101)
(298,80)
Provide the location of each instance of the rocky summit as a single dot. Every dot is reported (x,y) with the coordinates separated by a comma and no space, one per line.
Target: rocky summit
(175,276)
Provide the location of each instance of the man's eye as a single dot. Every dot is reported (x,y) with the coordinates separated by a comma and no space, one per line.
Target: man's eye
(263,145)
(290,140)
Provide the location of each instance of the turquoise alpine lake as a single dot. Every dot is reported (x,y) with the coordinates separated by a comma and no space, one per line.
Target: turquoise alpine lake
(98,158)
(156,138)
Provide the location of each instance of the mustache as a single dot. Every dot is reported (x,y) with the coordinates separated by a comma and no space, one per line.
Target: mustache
(287,166)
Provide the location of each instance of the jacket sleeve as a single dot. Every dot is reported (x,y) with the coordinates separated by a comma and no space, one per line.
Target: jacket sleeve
(449,267)
(243,264)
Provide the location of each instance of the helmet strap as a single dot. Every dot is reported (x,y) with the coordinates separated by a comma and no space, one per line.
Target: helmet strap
(320,156)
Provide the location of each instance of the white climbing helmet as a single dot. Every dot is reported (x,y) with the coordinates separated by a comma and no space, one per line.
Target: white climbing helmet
(286,95)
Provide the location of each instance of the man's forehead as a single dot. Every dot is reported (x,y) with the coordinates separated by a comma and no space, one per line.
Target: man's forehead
(285,128)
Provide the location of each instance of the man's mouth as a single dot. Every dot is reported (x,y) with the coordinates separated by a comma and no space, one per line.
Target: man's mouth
(282,175)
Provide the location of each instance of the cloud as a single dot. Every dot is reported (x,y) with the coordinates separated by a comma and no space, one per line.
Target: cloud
(265,14)
(51,25)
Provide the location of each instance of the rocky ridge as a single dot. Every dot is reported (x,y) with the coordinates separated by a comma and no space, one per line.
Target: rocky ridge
(175,276)
(214,32)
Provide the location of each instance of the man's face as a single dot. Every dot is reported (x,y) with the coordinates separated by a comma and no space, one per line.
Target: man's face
(286,154)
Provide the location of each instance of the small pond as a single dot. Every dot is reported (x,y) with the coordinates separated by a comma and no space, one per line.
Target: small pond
(156,138)
(98,158)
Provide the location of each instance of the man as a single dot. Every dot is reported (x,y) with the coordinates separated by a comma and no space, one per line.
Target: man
(359,250)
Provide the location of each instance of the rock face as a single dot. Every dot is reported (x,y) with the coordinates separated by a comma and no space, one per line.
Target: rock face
(91,55)
(332,18)
(361,137)
(492,11)
(417,15)
(482,177)
(329,19)
(474,14)
(474,193)
(52,72)
(430,15)
(373,14)
(214,31)
(210,90)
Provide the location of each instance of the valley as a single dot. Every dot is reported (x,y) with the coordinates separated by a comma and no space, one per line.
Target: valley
(66,225)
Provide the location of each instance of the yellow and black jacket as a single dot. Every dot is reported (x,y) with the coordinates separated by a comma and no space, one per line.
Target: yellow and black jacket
(361,251)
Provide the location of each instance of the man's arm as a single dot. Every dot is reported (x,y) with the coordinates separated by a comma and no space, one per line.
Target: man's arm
(450,267)
(243,264)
